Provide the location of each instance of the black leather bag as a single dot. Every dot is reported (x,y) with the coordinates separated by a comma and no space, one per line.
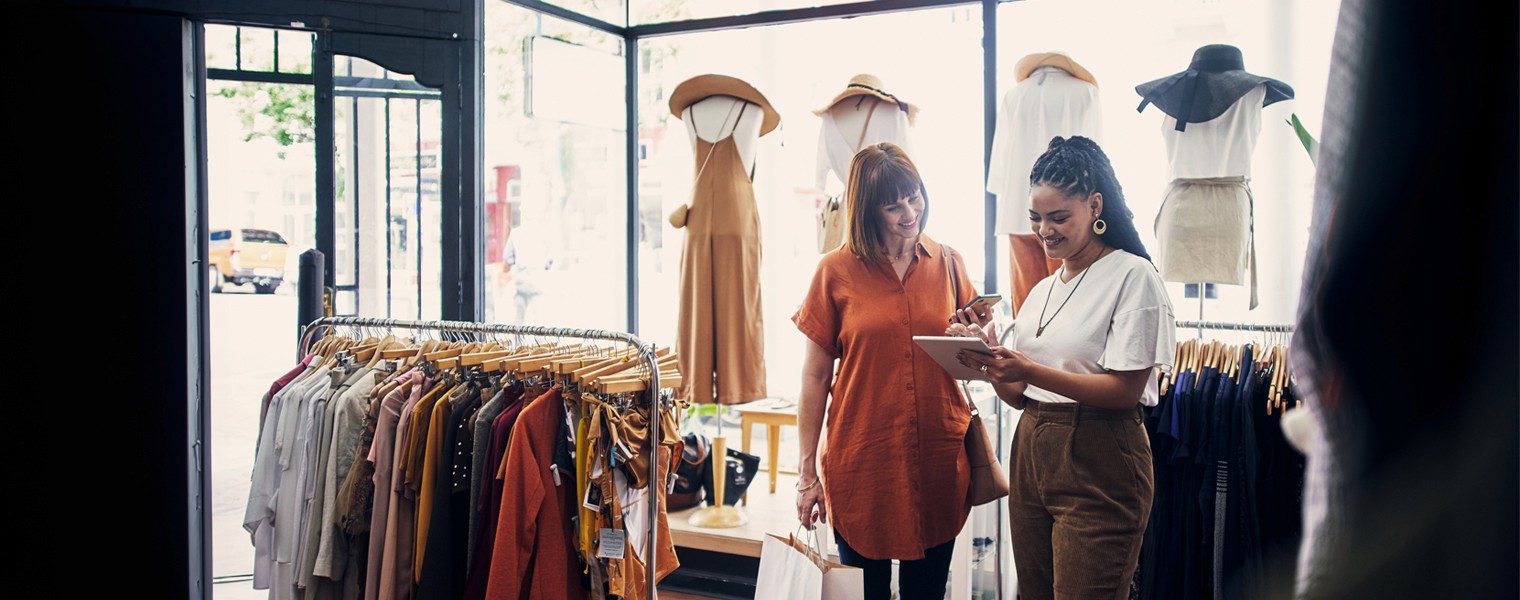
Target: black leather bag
(691,473)
(739,473)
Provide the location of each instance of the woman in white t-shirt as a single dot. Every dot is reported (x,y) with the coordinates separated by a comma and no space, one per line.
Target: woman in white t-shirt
(1083,361)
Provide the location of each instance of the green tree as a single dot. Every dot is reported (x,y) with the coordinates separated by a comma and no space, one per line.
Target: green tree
(281,112)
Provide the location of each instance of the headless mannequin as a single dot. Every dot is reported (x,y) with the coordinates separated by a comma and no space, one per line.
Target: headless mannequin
(850,115)
(714,118)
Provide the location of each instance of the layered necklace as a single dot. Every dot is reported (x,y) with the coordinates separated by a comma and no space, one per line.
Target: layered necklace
(1042,323)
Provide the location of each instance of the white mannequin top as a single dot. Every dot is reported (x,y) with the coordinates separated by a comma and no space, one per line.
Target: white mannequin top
(1218,147)
(1049,103)
(714,117)
(841,128)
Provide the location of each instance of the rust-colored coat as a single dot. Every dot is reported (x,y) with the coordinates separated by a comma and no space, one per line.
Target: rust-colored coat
(535,550)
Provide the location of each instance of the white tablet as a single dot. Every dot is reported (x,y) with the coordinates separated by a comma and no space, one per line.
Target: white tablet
(944,350)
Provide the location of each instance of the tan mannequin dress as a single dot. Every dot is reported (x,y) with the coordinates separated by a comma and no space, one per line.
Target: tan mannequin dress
(720,335)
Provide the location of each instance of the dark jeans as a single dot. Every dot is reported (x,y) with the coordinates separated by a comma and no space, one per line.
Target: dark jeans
(922,579)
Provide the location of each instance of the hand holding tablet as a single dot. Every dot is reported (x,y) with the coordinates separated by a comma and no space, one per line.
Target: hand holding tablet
(945,348)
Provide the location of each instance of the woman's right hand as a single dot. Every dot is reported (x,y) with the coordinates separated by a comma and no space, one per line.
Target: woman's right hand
(811,509)
(964,327)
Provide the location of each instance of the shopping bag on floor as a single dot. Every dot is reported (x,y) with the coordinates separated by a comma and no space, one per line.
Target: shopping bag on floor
(790,569)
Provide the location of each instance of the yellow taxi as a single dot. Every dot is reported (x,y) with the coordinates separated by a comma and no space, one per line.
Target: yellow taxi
(239,256)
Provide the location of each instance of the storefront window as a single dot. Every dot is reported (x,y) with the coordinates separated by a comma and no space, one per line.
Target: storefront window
(258,49)
(930,58)
(1126,43)
(1131,43)
(663,11)
(555,242)
(388,211)
(611,11)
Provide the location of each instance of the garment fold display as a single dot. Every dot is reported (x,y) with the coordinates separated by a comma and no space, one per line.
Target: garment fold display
(442,466)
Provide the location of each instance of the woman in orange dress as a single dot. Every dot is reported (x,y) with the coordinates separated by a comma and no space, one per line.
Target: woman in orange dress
(894,474)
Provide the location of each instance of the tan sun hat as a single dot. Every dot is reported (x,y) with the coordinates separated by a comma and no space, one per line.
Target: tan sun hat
(702,86)
(866,84)
(1028,64)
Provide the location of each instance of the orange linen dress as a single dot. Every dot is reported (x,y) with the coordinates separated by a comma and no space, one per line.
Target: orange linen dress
(893,461)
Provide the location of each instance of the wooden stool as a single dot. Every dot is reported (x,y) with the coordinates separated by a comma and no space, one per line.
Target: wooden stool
(773,417)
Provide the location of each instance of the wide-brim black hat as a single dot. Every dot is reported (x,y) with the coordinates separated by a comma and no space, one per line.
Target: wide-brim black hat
(1213,82)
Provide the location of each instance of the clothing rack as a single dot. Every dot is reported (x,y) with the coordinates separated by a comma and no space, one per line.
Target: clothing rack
(646,351)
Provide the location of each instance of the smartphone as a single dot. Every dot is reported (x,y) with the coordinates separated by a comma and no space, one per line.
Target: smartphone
(982,303)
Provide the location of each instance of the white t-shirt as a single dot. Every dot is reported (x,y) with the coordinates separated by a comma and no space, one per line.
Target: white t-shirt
(1219,147)
(835,150)
(1049,103)
(1119,319)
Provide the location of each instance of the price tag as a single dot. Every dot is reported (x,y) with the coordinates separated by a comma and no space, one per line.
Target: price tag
(611,544)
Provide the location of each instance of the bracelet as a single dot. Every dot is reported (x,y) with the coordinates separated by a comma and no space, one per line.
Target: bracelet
(808,486)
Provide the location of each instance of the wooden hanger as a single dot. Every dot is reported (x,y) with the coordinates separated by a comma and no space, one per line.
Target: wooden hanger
(670,376)
(539,362)
(591,378)
(438,355)
(574,373)
(620,385)
(364,353)
(320,348)
(339,345)
(593,356)
(537,353)
(477,358)
(375,357)
(400,351)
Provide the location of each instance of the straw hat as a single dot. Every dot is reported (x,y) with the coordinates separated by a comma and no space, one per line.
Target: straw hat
(866,84)
(1212,83)
(702,86)
(1029,63)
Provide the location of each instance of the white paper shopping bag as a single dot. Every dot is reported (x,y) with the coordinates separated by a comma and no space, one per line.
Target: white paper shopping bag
(792,570)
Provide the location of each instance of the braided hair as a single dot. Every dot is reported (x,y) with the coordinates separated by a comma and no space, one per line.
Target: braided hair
(1078,167)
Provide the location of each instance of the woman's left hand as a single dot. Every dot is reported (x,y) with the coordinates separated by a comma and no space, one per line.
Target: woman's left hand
(1005,366)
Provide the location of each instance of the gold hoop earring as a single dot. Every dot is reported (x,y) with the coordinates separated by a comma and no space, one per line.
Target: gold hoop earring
(1100,226)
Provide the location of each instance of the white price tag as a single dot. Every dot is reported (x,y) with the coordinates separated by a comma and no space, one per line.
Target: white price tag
(611,545)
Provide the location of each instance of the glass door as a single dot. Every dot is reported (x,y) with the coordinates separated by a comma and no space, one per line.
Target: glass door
(388,131)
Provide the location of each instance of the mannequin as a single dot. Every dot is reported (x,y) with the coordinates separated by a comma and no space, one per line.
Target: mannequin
(714,118)
(863,114)
(1205,228)
(1054,96)
(720,330)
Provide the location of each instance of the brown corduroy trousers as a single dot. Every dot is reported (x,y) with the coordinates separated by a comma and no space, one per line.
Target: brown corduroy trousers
(1081,495)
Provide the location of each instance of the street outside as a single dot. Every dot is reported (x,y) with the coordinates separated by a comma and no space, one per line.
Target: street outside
(253,342)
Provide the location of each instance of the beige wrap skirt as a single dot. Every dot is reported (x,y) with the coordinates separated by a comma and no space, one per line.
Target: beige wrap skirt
(1205,233)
